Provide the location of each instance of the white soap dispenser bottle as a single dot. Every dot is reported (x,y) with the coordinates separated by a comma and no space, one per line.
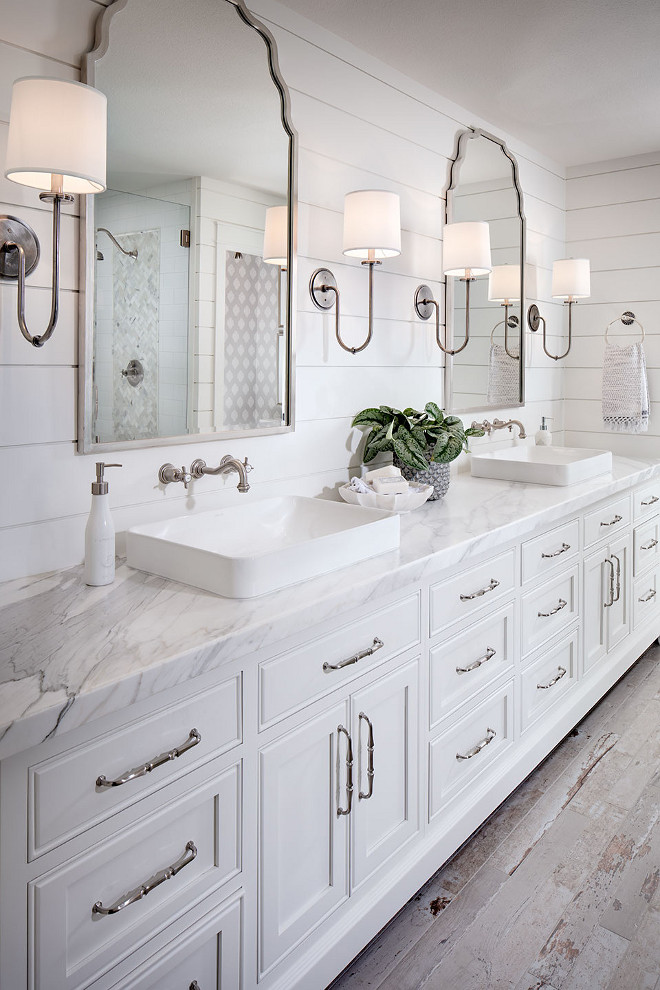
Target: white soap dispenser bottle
(543,436)
(100,533)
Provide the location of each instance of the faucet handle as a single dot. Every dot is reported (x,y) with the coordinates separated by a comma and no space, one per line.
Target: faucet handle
(185,477)
(248,467)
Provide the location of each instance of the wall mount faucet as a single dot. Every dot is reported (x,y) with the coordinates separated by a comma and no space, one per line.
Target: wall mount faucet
(500,424)
(169,474)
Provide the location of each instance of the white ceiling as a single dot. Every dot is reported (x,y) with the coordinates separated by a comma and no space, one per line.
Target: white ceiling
(576,79)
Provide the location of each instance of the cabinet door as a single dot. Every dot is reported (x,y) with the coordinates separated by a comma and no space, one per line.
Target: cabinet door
(303,841)
(385,801)
(618,618)
(597,576)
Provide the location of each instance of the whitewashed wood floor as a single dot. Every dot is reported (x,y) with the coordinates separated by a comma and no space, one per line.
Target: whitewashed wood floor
(559,889)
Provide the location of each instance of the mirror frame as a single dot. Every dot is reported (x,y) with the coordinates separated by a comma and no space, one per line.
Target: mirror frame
(462,140)
(86,443)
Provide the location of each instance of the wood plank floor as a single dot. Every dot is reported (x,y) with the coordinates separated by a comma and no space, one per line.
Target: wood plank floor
(559,890)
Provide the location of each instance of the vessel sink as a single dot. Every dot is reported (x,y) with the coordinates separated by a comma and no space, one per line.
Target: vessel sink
(542,465)
(260,546)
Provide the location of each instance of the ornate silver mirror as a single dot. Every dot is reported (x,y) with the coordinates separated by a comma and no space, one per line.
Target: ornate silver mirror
(489,370)
(189,255)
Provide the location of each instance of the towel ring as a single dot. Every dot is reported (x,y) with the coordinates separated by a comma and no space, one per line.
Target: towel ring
(512,324)
(627,319)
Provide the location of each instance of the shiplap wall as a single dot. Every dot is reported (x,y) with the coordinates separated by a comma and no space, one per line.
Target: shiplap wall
(360,125)
(613,218)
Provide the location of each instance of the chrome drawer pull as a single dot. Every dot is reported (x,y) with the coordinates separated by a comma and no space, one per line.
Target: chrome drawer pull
(150,884)
(652,500)
(194,739)
(649,546)
(377,645)
(558,676)
(482,591)
(648,596)
(349,771)
(370,759)
(613,522)
(488,655)
(488,738)
(553,611)
(557,553)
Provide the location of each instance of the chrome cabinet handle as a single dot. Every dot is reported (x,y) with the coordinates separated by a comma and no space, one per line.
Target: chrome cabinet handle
(488,655)
(194,739)
(145,888)
(553,611)
(558,676)
(482,591)
(610,564)
(349,771)
(488,738)
(652,500)
(618,577)
(648,596)
(370,759)
(376,645)
(564,547)
(649,546)
(613,522)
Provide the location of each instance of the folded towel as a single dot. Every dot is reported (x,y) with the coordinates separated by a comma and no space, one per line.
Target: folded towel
(503,377)
(625,389)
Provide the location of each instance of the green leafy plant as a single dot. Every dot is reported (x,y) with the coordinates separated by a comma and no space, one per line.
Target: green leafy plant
(412,435)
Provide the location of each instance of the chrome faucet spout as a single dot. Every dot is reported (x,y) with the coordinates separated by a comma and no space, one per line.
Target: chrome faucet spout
(199,468)
(499,424)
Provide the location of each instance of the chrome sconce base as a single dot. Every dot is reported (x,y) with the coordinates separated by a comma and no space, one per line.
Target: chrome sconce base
(534,321)
(425,304)
(325,294)
(15,235)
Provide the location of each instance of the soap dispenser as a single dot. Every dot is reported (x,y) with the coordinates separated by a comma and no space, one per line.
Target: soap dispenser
(100,533)
(543,436)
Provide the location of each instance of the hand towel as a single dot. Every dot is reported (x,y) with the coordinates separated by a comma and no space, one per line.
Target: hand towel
(503,377)
(625,389)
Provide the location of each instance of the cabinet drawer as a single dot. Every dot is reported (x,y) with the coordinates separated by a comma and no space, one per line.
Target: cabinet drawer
(606,522)
(546,553)
(290,681)
(462,595)
(646,501)
(459,756)
(72,942)
(549,609)
(209,955)
(64,795)
(463,665)
(645,598)
(548,678)
(646,546)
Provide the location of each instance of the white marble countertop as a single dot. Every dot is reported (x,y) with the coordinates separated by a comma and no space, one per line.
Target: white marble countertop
(69,653)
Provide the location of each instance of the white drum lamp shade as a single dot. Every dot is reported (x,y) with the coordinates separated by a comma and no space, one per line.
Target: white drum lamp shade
(466,248)
(571,279)
(57,127)
(372,222)
(504,283)
(275,236)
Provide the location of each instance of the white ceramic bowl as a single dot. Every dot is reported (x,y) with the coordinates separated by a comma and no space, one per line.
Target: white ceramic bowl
(412,499)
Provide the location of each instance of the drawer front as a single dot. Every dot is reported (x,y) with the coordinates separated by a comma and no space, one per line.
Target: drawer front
(462,666)
(465,594)
(464,752)
(65,794)
(646,501)
(72,942)
(545,554)
(606,522)
(209,957)
(290,681)
(549,609)
(645,598)
(548,679)
(646,546)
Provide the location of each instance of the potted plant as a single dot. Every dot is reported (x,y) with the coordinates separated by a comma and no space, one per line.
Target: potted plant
(423,443)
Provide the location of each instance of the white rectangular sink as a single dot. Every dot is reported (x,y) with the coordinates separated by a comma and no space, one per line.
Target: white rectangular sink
(253,548)
(542,465)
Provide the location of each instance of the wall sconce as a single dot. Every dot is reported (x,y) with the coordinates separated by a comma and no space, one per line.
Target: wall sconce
(466,254)
(56,142)
(504,287)
(372,231)
(571,280)
(276,248)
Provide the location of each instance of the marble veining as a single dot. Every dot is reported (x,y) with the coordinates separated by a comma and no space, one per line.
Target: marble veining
(69,653)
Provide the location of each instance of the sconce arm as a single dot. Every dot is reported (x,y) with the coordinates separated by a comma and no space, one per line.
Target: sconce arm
(325,294)
(534,318)
(424,305)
